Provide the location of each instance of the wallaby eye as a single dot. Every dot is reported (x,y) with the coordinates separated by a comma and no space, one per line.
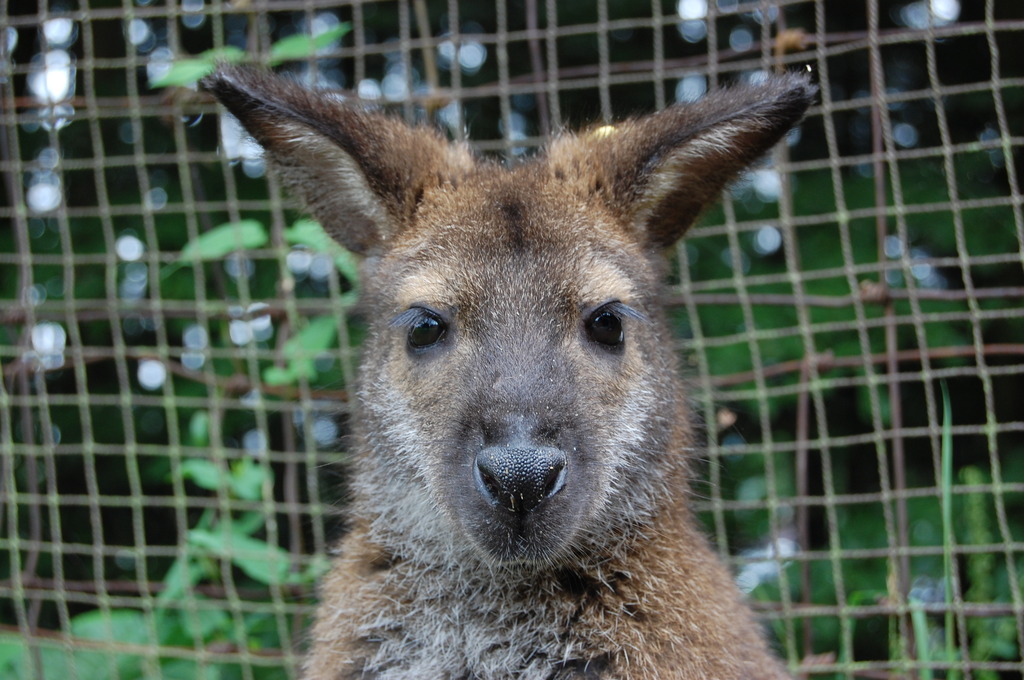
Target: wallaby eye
(605,328)
(426,331)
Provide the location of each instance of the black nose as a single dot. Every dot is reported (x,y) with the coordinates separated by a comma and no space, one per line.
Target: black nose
(518,479)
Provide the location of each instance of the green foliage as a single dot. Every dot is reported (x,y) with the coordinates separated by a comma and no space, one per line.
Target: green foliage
(922,632)
(990,638)
(128,641)
(220,241)
(224,575)
(227,238)
(309,233)
(300,46)
(923,636)
(947,524)
(301,351)
(190,71)
(187,72)
(122,628)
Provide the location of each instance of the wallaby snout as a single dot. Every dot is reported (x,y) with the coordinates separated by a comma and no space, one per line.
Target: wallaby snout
(517,479)
(522,447)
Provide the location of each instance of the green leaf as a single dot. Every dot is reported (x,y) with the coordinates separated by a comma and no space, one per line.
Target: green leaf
(319,335)
(260,560)
(249,523)
(920,622)
(115,626)
(51,661)
(276,375)
(947,522)
(123,625)
(348,265)
(247,479)
(11,650)
(206,624)
(207,541)
(223,239)
(301,46)
(185,72)
(203,473)
(186,669)
(199,428)
(314,571)
(309,233)
(183,575)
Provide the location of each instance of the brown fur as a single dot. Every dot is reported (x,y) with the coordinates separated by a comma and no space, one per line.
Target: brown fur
(456,567)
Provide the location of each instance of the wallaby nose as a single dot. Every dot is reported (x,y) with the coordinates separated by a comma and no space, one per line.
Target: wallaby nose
(517,478)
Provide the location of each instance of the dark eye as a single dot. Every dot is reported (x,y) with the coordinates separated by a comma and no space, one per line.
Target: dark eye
(427,330)
(605,328)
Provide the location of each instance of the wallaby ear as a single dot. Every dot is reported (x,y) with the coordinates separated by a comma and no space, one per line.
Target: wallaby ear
(361,174)
(660,172)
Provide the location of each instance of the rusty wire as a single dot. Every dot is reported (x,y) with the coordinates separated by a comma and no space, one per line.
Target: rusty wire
(821,399)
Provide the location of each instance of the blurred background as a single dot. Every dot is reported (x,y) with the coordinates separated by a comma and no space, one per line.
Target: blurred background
(177,349)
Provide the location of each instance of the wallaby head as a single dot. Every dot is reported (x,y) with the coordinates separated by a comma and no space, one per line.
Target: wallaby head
(517,399)
(519,422)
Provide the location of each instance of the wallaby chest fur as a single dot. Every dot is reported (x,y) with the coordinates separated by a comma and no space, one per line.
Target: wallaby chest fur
(522,446)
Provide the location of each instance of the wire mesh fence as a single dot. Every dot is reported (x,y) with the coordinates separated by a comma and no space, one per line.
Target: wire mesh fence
(177,343)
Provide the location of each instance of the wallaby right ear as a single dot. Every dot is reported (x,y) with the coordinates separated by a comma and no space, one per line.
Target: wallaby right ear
(361,174)
(661,171)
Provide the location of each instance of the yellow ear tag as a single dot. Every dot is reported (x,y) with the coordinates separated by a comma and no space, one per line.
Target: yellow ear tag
(603,131)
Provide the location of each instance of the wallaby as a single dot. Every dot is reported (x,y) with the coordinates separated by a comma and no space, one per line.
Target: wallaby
(522,445)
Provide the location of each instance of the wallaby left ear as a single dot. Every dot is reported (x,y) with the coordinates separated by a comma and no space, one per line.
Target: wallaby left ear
(660,172)
(361,174)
